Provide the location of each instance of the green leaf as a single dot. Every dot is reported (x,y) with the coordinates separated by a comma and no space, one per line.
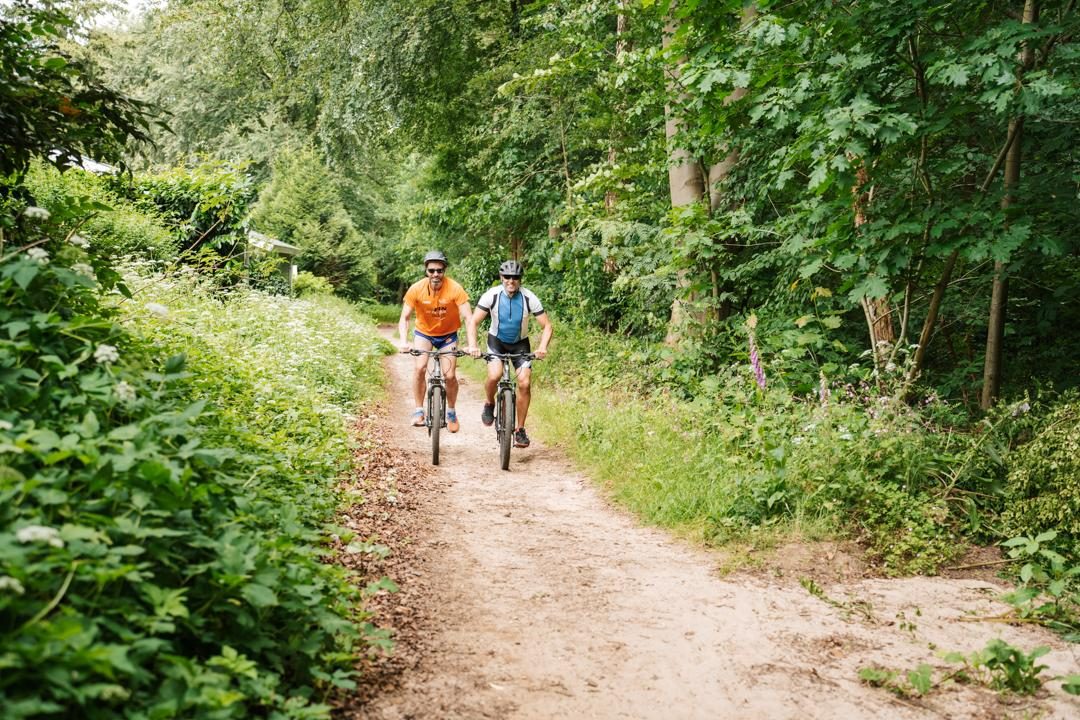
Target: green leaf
(90,426)
(1045,537)
(155,471)
(259,595)
(921,679)
(125,432)
(16,327)
(26,273)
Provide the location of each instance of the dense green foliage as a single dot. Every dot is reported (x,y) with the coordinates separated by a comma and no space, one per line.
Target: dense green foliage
(167,463)
(115,227)
(206,206)
(1044,479)
(163,494)
(303,206)
(51,105)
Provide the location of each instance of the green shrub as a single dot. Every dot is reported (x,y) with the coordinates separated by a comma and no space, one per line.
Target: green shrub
(121,230)
(310,284)
(303,206)
(164,476)
(1043,488)
(206,205)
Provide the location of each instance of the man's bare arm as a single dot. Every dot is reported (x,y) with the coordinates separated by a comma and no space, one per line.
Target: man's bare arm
(545,336)
(403,327)
(474,322)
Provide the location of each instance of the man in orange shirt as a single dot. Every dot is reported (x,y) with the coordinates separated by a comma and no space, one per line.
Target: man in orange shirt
(440,304)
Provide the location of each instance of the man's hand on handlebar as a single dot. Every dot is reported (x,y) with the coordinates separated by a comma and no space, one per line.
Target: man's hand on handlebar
(473,351)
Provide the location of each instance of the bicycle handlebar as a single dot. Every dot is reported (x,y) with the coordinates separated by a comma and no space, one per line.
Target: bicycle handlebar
(508,356)
(462,353)
(414,351)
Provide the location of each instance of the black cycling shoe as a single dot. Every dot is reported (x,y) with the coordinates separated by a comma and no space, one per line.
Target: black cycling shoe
(521,440)
(488,416)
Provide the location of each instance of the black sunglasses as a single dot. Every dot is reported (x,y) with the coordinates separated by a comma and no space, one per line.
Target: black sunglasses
(436,271)
(510,277)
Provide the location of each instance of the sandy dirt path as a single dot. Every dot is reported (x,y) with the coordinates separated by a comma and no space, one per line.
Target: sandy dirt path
(525,594)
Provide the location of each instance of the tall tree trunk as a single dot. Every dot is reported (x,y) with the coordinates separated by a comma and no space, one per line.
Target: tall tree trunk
(877,311)
(621,47)
(932,314)
(685,181)
(999,296)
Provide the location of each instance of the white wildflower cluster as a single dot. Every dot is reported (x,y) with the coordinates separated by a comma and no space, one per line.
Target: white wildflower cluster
(10,584)
(39,534)
(124,392)
(85,270)
(157,309)
(38,255)
(36,213)
(79,241)
(105,354)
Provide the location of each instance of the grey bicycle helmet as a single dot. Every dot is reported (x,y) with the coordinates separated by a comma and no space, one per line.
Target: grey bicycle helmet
(511,267)
(435,256)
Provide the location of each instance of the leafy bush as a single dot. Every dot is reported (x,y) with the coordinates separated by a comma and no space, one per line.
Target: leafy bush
(1043,489)
(164,473)
(205,205)
(310,284)
(121,230)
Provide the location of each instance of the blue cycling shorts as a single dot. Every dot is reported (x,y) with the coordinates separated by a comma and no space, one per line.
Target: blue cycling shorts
(438,341)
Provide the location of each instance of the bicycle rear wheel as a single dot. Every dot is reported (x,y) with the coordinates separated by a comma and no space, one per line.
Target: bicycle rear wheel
(506,427)
(435,420)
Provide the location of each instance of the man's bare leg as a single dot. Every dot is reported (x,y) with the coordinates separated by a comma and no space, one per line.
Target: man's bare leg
(524,395)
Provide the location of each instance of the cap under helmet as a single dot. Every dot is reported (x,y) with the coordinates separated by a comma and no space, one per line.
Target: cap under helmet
(435,256)
(511,267)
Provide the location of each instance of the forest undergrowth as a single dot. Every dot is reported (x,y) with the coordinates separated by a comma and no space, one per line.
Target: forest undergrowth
(169,452)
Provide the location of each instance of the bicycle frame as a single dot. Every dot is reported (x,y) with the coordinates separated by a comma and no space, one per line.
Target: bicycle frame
(435,397)
(506,402)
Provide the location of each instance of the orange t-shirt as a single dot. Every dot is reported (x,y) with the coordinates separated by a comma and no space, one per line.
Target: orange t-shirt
(437,314)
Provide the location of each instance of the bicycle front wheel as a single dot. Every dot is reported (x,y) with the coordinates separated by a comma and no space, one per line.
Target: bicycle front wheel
(435,421)
(506,426)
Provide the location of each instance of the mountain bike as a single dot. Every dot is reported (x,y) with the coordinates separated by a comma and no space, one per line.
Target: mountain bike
(506,403)
(435,398)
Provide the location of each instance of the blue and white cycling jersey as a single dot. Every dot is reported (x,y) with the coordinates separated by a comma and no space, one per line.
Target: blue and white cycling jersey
(510,315)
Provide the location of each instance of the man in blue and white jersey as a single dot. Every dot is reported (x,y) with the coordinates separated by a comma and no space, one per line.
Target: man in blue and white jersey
(510,307)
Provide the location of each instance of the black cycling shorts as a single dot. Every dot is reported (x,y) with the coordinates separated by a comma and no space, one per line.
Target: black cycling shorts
(495,345)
